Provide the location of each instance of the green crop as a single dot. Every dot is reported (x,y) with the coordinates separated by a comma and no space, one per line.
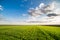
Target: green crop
(29,32)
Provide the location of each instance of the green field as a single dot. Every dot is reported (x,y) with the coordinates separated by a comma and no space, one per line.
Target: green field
(31,32)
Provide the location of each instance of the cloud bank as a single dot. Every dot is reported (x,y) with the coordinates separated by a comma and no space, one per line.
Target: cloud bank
(50,12)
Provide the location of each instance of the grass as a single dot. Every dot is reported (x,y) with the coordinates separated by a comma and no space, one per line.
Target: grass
(30,32)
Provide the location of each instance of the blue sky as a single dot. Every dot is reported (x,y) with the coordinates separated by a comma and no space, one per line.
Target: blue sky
(14,9)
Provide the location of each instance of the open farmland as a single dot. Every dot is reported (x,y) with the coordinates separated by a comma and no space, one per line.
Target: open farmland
(29,32)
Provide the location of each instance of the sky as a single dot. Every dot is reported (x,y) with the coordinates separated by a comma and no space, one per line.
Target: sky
(17,10)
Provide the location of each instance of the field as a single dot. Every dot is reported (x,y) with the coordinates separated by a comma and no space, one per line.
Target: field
(29,32)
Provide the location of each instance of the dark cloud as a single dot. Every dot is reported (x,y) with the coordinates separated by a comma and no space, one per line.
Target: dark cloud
(53,14)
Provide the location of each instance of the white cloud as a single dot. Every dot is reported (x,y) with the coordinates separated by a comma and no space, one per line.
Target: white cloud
(57,11)
(52,8)
(43,9)
(24,14)
(41,5)
(1,7)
